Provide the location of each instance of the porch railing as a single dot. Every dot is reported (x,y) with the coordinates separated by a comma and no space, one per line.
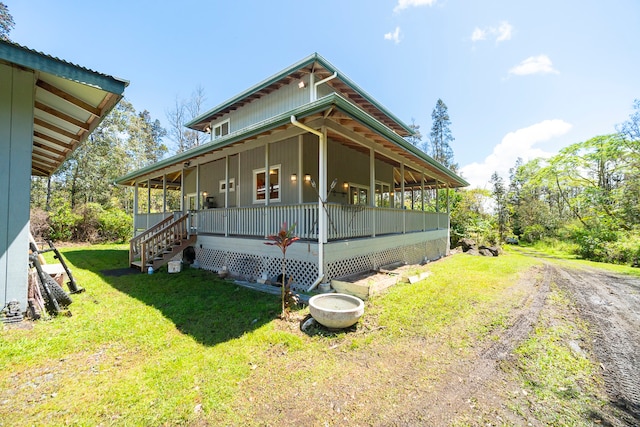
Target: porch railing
(135,244)
(147,220)
(163,238)
(344,221)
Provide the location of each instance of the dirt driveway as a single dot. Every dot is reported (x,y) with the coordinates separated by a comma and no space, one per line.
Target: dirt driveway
(611,305)
(419,382)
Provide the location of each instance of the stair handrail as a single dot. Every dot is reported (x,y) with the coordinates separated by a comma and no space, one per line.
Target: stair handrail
(159,241)
(134,243)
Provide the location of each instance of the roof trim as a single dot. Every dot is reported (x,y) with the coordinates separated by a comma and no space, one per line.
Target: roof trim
(32,59)
(315,57)
(311,108)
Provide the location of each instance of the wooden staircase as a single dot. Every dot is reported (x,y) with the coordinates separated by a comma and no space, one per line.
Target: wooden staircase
(157,245)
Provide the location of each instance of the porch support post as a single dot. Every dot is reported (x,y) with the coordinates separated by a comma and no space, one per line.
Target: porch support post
(300,179)
(267,192)
(148,201)
(226,181)
(424,217)
(198,187)
(135,207)
(226,195)
(402,196)
(322,168)
(372,189)
(182,194)
(437,205)
(164,193)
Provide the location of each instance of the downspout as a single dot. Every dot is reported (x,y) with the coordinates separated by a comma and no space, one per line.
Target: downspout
(322,223)
(314,86)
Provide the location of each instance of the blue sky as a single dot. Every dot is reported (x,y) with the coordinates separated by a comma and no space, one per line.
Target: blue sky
(520,78)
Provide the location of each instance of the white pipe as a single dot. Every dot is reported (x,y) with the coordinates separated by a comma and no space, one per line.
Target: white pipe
(314,87)
(322,223)
(316,283)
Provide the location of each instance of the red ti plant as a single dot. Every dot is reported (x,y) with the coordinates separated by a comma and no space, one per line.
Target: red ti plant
(283,240)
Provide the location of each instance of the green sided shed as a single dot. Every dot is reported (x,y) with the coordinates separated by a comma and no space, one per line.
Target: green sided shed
(48,107)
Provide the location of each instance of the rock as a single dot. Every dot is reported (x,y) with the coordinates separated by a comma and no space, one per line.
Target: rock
(468,244)
(485,252)
(472,251)
(495,250)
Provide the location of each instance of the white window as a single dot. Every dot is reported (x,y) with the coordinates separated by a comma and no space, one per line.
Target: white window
(221,129)
(262,184)
(358,194)
(383,195)
(190,201)
(222,185)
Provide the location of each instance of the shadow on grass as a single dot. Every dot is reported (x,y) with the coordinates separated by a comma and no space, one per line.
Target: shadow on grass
(198,302)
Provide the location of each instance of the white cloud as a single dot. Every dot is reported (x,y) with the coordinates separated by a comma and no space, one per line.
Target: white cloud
(520,143)
(540,64)
(394,36)
(404,4)
(478,34)
(502,33)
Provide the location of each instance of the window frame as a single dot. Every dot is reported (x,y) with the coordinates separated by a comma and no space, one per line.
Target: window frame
(222,183)
(220,127)
(278,184)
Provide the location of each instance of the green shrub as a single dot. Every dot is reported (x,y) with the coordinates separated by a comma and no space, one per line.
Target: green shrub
(625,250)
(87,223)
(593,243)
(88,229)
(116,225)
(63,223)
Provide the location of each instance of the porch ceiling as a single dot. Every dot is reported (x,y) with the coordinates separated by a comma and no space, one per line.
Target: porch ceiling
(173,179)
(412,177)
(70,102)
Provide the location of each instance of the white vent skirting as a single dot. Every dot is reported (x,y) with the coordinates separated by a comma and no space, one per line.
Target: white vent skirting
(249,259)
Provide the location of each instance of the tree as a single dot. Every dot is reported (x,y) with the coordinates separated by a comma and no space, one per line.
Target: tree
(144,145)
(283,240)
(500,198)
(468,215)
(630,129)
(185,110)
(441,138)
(6,22)
(416,138)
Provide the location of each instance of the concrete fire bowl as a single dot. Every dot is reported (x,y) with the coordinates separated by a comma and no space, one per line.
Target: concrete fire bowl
(336,311)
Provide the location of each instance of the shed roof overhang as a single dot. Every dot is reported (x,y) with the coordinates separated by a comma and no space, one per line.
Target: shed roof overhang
(322,69)
(70,102)
(350,116)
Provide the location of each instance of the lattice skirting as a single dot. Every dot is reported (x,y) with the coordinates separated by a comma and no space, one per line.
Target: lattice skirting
(251,265)
(409,254)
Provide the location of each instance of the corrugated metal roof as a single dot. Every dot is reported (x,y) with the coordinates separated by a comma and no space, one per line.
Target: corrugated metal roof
(70,102)
(322,68)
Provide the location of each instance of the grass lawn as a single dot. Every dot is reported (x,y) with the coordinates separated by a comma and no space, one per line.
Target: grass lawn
(191,349)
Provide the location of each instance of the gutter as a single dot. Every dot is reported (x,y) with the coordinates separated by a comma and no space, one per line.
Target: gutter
(322,221)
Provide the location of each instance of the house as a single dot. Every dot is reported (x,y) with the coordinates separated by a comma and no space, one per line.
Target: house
(48,107)
(308,147)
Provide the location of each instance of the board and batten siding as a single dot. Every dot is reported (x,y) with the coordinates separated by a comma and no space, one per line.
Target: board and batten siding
(16,137)
(286,98)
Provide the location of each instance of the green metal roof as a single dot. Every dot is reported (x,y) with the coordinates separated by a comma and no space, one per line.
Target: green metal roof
(314,58)
(322,104)
(38,61)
